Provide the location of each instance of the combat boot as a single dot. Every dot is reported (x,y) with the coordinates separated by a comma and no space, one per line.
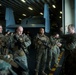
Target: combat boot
(43,73)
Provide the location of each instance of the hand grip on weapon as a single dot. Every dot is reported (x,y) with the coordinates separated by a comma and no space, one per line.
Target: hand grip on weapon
(39,42)
(20,39)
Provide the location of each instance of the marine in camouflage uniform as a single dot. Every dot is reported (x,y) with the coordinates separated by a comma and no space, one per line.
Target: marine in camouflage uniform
(55,51)
(41,55)
(19,44)
(5,59)
(70,52)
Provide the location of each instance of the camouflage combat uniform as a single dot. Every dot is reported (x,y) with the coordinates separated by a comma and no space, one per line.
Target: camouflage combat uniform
(19,44)
(55,51)
(5,59)
(41,55)
(70,54)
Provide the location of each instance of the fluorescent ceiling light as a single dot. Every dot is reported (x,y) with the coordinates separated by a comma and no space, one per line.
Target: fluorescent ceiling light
(23,1)
(53,6)
(41,13)
(60,12)
(60,17)
(24,14)
(30,8)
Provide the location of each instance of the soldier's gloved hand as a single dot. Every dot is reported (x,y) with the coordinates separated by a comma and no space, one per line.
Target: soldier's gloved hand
(59,44)
(21,40)
(39,42)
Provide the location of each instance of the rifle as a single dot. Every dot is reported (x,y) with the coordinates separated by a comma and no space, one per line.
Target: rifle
(46,44)
(20,44)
